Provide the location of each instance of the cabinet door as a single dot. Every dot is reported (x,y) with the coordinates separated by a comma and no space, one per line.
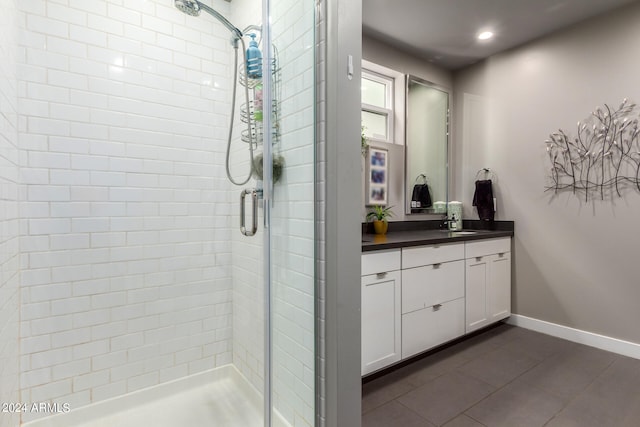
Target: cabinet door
(488,290)
(477,282)
(381,319)
(500,287)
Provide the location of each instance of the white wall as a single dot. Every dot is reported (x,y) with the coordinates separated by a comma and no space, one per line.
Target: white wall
(9,239)
(390,57)
(126,279)
(575,261)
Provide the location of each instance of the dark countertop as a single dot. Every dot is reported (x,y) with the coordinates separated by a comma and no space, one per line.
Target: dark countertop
(403,239)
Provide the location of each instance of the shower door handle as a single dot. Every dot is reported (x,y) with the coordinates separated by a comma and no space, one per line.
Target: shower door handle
(254,208)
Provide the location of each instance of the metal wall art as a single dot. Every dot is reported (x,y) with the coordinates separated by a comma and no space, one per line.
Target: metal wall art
(604,156)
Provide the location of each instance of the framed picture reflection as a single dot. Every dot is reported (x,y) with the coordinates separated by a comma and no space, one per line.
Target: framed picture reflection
(377,173)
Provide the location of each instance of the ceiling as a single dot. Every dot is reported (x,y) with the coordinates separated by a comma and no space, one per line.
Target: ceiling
(444,31)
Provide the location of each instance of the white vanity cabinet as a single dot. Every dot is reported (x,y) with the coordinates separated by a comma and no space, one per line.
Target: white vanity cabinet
(433,289)
(488,282)
(417,298)
(381,328)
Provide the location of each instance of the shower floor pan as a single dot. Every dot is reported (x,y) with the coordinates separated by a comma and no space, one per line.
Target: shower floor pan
(220,397)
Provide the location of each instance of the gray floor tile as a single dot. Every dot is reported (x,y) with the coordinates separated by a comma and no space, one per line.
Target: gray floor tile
(516,404)
(568,373)
(393,414)
(612,399)
(427,369)
(540,346)
(500,366)
(592,410)
(504,333)
(384,389)
(476,346)
(463,421)
(538,375)
(445,397)
(621,378)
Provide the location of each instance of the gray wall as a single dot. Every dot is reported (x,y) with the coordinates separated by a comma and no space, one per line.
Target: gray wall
(575,262)
(339,127)
(390,57)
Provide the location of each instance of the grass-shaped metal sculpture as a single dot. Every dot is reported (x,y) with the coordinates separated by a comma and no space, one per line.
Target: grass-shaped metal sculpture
(605,154)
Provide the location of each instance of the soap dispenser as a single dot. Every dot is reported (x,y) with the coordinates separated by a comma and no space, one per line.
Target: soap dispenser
(455,215)
(454,223)
(254,59)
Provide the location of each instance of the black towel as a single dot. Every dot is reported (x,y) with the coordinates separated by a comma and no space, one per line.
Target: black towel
(421,196)
(483,200)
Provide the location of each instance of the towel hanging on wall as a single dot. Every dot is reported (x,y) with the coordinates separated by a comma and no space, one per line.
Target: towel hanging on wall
(421,197)
(483,199)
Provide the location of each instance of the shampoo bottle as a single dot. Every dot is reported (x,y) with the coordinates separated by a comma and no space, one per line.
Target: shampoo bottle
(254,59)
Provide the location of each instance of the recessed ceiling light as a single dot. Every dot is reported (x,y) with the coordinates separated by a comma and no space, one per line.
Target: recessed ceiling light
(485,35)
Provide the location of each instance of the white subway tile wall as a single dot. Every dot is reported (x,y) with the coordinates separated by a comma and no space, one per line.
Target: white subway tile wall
(125,211)
(9,216)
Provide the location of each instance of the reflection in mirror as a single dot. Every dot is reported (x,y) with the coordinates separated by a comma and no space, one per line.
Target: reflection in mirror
(427,128)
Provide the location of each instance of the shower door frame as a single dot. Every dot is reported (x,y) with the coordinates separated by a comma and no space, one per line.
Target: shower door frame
(267,159)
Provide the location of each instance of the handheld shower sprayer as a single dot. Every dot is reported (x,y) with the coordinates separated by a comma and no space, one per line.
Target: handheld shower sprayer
(193,8)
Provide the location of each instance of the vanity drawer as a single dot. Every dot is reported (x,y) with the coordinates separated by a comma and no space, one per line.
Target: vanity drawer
(380,262)
(432,254)
(478,248)
(431,326)
(432,284)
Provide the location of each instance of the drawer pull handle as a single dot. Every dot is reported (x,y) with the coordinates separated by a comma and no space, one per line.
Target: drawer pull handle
(437,265)
(381,275)
(437,307)
(501,254)
(478,258)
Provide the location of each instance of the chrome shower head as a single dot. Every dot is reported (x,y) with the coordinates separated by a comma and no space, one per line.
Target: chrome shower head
(190,7)
(193,8)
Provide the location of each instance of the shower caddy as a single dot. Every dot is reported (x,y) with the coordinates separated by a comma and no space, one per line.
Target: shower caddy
(247,112)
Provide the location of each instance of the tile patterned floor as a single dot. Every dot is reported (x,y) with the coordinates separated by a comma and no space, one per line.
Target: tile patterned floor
(512,377)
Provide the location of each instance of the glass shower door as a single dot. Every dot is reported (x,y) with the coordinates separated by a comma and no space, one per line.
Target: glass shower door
(291,235)
(278,357)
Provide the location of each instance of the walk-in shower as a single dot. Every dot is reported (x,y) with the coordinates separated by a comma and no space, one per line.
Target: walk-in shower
(132,298)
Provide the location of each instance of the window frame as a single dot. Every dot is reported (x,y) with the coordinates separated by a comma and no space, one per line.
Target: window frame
(388,111)
(395,99)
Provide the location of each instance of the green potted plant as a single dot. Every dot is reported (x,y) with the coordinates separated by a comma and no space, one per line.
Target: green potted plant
(380,214)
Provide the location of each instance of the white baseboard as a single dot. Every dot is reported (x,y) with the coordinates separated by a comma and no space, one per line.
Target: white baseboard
(625,348)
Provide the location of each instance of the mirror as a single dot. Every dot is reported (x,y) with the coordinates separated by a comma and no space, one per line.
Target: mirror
(426,153)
